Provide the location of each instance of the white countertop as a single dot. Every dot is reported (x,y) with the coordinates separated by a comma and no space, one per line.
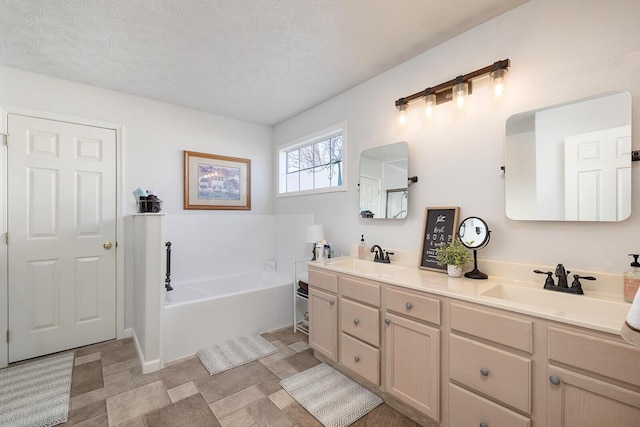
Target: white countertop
(597,311)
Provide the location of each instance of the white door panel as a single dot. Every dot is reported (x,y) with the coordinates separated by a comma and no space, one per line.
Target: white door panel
(62,192)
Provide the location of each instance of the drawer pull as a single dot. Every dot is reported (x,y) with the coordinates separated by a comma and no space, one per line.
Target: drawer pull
(356,321)
(554,380)
(387,321)
(331,302)
(408,305)
(484,425)
(484,372)
(356,359)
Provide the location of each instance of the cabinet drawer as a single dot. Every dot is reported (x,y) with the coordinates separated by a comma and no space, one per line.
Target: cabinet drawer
(597,355)
(414,305)
(360,290)
(494,372)
(469,409)
(361,358)
(499,328)
(323,280)
(360,321)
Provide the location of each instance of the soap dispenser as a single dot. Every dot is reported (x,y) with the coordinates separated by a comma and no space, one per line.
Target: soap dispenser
(362,248)
(632,279)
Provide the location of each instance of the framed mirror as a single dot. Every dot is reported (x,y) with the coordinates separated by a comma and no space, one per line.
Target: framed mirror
(384,174)
(474,234)
(570,162)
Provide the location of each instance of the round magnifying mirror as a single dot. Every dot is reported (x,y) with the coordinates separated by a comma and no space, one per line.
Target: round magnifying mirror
(474,234)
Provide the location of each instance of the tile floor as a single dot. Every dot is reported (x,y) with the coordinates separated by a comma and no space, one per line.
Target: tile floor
(109,389)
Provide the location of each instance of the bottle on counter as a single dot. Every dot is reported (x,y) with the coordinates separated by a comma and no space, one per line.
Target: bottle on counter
(632,279)
(362,248)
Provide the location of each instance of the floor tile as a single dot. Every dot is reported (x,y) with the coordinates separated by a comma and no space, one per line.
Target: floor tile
(182,391)
(87,358)
(103,346)
(99,421)
(284,335)
(116,377)
(86,377)
(299,346)
(122,354)
(120,366)
(94,396)
(140,379)
(281,399)
(267,414)
(234,380)
(293,364)
(190,412)
(136,422)
(239,418)
(86,413)
(384,415)
(236,401)
(300,416)
(183,371)
(139,401)
(283,351)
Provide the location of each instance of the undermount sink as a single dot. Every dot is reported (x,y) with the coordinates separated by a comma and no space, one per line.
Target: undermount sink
(366,267)
(559,304)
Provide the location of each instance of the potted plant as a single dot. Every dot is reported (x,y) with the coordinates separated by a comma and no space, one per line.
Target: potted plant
(454,255)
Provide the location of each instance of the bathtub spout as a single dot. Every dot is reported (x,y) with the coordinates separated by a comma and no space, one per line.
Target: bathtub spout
(167,281)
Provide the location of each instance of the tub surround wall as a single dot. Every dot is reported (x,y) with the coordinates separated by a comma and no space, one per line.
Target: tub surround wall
(559,51)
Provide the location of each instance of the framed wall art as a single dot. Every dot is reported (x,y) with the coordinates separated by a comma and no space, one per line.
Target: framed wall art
(216,182)
(440,227)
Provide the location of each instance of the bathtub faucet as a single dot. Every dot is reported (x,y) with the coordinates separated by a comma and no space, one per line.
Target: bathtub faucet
(167,281)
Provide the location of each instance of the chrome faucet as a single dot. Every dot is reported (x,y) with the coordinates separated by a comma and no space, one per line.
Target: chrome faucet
(380,256)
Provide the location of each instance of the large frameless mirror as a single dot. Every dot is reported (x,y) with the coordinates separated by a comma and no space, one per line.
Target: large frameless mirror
(383,182)
(570,162)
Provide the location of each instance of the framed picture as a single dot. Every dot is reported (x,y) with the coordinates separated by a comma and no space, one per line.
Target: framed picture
(216,182)
(440,227)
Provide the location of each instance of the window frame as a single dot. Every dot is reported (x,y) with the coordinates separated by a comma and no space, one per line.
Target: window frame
(308,140)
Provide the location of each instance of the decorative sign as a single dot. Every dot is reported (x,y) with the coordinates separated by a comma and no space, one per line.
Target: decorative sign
(440,227)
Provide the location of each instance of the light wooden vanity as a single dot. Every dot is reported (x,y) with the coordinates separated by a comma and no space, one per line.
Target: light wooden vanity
(455,360)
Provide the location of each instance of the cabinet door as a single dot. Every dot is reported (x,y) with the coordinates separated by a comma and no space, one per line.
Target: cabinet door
(581,401)
(412,366)
(323,323)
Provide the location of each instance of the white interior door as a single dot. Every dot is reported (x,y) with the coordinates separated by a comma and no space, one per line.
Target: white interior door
(61,219)
(597,169)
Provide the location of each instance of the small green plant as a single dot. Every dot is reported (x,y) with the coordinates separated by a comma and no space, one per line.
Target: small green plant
(453,253)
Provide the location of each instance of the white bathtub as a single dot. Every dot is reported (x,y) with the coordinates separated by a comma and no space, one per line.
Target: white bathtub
(202,314)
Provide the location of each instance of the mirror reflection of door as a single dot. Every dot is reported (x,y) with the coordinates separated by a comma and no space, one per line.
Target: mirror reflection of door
(598,175)
(370,195)
(397,203)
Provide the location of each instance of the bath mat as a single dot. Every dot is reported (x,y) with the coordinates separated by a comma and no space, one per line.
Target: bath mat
(36,393)
(331,397)
(235,353)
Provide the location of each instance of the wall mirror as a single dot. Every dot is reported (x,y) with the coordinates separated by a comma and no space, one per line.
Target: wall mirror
(570,162)
(384,174)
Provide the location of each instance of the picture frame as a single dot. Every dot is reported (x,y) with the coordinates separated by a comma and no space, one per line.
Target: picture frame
(440,227)
(215,182)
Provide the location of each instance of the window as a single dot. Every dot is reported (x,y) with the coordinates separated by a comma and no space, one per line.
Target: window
(313,164)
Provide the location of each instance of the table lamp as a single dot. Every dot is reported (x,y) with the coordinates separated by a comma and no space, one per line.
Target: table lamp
(631,328)
(314,235)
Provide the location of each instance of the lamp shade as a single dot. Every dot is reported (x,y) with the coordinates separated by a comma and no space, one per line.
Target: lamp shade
(314,233)
(631,328)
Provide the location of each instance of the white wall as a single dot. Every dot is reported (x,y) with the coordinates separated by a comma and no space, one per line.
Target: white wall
(154,137)
(560,51)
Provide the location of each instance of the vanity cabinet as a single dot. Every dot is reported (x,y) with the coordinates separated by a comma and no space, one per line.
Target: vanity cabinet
(412,350)
(490,367)
(360,327)
(592,381)
(323,313)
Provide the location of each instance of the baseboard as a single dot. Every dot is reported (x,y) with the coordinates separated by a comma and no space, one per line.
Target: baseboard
(147,366)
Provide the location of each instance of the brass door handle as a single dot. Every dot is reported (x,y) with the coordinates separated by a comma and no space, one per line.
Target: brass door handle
(107,245)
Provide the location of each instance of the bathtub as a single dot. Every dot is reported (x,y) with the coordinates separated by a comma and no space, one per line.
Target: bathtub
(206,313)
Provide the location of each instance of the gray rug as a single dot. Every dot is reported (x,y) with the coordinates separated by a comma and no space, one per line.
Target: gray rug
(36,393)
(235,353)
(331,397)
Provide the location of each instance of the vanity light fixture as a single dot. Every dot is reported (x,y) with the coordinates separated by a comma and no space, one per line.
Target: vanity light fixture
(457,89)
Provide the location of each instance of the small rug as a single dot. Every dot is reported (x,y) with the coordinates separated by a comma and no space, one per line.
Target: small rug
(235,353)
(36,393)
(331,397)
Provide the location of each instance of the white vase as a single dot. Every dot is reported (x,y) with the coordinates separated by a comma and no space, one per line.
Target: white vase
(454,271)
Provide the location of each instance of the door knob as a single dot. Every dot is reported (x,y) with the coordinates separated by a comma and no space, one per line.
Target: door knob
(107,245)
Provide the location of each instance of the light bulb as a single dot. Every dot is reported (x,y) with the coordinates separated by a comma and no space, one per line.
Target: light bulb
(430,103)
(460,91)
(402,115)
(497,82)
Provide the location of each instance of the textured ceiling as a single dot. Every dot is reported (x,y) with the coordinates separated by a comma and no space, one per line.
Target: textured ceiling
(257,60)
